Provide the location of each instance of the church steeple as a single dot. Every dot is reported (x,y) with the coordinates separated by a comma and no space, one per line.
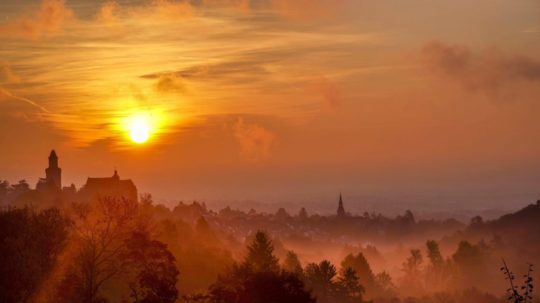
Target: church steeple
(341,209)
(53,172)
(53,159)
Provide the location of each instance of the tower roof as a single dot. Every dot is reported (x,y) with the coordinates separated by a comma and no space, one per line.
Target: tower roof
(53,154)
(341,209)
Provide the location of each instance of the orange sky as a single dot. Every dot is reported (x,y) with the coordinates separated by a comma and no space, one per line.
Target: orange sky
(278,100)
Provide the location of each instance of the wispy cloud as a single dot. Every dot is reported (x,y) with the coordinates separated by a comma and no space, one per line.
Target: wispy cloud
(7,76)
(255,141)
(6,95)
(48,19)
(488,70)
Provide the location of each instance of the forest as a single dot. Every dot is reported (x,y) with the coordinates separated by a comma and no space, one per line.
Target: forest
(117,250)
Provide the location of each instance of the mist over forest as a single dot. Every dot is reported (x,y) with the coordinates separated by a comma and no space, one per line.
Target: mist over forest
(60,248)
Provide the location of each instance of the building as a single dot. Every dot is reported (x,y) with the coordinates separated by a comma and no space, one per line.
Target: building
(341,210)
(113,187)
(53,175)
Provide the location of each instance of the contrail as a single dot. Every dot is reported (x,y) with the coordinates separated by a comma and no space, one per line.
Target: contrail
(34,104)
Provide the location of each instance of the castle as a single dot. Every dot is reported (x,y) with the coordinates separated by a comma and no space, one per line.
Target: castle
(94,187)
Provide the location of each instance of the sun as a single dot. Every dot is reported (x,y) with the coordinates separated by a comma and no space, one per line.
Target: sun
(140,128)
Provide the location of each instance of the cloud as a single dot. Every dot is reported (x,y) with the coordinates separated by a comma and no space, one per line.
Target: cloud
(48,19)
(255,141)
(308,9)
(7,76)
(241,67)
(328,90)
(19,108)
(487,71)
(7,96)
(108,12)
(170,83)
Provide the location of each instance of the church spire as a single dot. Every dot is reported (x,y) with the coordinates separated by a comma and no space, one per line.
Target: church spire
(341,209)
(53,159)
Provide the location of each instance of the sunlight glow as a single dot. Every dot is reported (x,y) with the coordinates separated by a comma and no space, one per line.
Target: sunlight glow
(140,127)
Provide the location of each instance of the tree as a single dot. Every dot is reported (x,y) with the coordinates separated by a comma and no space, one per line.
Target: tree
(258,279)
(282,214)
(261,254)
(243,285)
(362,268)
(101,229)
(205,233)
(385,286)
(436,275)
(470,263)
(30,243)
(320,278)
(352,290)
(4,190)
(412,268)
(434,254)
(292,264)
(154,267)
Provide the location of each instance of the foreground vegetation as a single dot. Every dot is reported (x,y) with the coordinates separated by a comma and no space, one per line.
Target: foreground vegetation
(116,250)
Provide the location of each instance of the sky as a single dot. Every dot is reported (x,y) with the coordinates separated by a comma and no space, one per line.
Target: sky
(397,103)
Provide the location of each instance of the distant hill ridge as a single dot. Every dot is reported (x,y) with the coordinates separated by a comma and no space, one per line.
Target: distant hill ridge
(528,217)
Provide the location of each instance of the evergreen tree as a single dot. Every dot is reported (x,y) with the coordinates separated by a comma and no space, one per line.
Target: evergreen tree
(260,255)
(352,290)
(320,278)
(362,268)
(292,264)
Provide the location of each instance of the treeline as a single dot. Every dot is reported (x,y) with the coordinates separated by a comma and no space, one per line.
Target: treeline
(50,256)
(10,192)
(116,250)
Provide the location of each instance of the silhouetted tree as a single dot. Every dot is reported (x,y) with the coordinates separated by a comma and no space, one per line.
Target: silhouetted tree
(320,278)
(412,269)
(434,254)
(362,268)
(205,232)
(515,293)
(260,255)
(476,222)
(282,214)
(292,264)
(30,243)
(4,190)
(351,289)
(258,279)
(436,274)
(243,285)
(413,264)
(385,286)
(470,263)
(154,267)
(101,229)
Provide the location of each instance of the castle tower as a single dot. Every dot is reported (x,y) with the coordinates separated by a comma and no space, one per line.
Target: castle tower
(53,173)
(341,209)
